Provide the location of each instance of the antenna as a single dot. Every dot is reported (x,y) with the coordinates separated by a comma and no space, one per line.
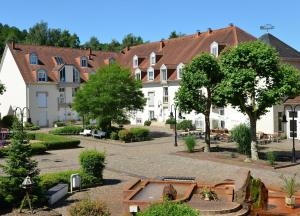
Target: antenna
(267,27)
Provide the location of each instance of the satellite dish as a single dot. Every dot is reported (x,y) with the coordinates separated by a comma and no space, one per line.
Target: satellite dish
(267,27)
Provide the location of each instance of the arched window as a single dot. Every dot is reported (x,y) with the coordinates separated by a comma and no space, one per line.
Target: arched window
(135,61)
(138,75)
(150,73)
(163,73)
(83,61)
(179,70)
(33,59)
(152,58)
(214,48)
(42,75)
(76,75)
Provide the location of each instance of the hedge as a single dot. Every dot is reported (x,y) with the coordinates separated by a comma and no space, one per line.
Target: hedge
(67,130)
(38,148)
(170,121)
(53,142)
(92,163)
(134,134)
(185,125)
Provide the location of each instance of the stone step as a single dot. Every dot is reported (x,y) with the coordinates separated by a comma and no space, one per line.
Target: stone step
(241,212)
(215,207)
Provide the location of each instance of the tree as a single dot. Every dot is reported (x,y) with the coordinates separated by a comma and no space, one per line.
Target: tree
(131,40)
(109,95)
(174,34)
(197,88)
(93,43)
(256,80)
(38,34)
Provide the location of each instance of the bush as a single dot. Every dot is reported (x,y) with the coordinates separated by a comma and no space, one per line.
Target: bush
(7,121)
(31,127)
(169,209)
(185,125)
(3,152)
(125,135)
(139,134)
(38,148)
(170,121)
(271,157)
(88,207)
(147,123)
(53,142)
(92,163)
(114,135)
(67,130)
(241,134)
(30,136)
(59,123)
(190,143)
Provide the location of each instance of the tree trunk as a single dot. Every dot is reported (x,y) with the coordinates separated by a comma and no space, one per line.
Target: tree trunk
(207,132)
(254,153)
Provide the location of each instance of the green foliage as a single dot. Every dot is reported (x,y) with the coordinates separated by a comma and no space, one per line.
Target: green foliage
(170,121)
(59,123)
(139,134)
(38,148)
(169,209)
(7,121)
(185,125)
(31,127)
(92,162)
(87,207)
(255,192)
(67,130)
(109,94)
(147,123)
(175,34)
(290,185)
(271,157)
(125,135)
(190,143)
(114,135)
(53,142)
(241,134)
(131,40)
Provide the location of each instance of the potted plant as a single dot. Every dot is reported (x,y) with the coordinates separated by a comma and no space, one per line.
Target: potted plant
(208,194)
(290,187)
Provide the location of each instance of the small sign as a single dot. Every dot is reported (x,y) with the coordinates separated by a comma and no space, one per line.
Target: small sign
(133,208)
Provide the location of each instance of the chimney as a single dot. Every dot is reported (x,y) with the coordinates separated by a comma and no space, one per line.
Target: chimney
(209,30)
(161,44)
(13,44)
(90,51)
(127,48)
(231,24)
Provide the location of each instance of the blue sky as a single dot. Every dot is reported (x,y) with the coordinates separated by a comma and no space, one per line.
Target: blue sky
(155,19)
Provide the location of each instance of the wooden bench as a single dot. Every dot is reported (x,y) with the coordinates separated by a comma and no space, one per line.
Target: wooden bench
(56,193)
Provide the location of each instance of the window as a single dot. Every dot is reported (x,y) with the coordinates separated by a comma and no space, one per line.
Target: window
(221,110)
(151,115)
(151,74)
(291,114)
(163,73)
(214,49)
(152,59)
(42,100)
(179,70)
(138,74)
(222,124)
(151,99)
(280,121)
(76,76)
(165,95)
(61,98)
(135,61)
(62,75)
(59,60)
(74,90)
(83,61)
(33,59)
(138,120)
(41,76)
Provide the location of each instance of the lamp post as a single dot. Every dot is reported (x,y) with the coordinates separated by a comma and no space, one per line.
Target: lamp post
(27,185)
(293,125)
(22,112)
(175,125)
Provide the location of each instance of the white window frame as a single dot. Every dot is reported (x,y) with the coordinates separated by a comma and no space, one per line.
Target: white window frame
(162,68)
(165,96)
(152,58)
(33,59)
(138,74)
(84,58)
(150,70)
(179,70)
(76,75)
(214,48)
(65,77)
(135,61)
(42,75)
(151,102)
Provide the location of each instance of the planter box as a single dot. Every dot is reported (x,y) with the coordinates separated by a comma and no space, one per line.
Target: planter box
(56,193)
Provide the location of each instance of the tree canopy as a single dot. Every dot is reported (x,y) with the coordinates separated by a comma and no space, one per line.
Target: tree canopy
(256,80)
(109,95)
(197,89)
(175,34)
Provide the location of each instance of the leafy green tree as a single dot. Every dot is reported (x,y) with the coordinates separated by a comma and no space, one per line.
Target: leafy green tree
(93,43)
(38,34)
(197,88)
(109,95)
(131,40)
(174,34)
(256,80)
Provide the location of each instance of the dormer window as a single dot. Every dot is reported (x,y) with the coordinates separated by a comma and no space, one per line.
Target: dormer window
(135,61)
(180,70)
(138,75)
(150,74)
(163,73)
(33,59)
(62,75)
(83,61)
(42,76)
(76,75)
(152,58)
(214,49)
(58,60)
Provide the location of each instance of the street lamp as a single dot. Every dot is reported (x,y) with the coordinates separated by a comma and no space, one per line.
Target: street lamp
(27,185)
(175,126)
(22,112)
(293,125)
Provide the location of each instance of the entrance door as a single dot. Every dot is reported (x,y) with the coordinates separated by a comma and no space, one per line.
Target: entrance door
(43,118)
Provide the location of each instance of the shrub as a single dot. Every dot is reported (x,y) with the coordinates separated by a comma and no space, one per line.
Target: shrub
(241,134)
(271,157)
(290,185)
(185,125)
(147,123)
(114,135)
(38,148)
(67,130)
(92,127)
(139,133)
(170,121)
(7,121)
(169,209)
(31,127)
(92,162)
(59,123)
(53,142)
(3,152)
(88,207)
(30,136)
(125,135)
(190,143)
